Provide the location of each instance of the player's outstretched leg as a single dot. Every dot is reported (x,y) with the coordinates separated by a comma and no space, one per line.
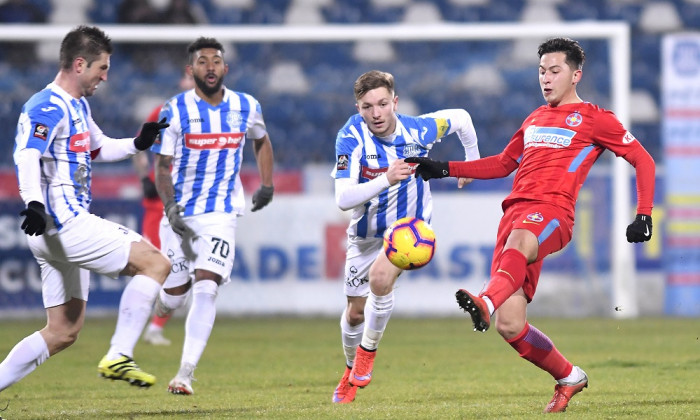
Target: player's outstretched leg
(124,368)
(182,382)
(361,374)
(477,309)
(345,392)
(563,393)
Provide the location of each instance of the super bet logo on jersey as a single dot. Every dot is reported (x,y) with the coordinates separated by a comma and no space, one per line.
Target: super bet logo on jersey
(409,243)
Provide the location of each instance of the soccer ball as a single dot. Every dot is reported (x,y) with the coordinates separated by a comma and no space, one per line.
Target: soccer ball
(409,243)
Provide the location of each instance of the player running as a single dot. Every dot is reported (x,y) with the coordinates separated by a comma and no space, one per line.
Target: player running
(372,180)
(55,145)
(552,152)
(198,164)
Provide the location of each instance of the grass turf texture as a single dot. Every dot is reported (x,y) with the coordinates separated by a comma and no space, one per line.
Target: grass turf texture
(286,368)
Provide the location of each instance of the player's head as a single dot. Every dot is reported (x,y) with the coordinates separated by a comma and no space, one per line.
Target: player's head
(86,51)
(376,101)
(561,66)
(575,57)
(206,65)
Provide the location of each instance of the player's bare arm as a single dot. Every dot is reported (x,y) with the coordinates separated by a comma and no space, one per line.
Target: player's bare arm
(164,183)
(265,159)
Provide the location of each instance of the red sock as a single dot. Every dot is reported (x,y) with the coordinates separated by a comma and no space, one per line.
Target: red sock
(160,321)
(509,277)
(537,348)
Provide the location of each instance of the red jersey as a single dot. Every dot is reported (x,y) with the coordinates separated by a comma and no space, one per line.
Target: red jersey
(555,149)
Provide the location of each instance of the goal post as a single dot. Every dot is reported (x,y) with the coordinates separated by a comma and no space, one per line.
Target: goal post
(616,34)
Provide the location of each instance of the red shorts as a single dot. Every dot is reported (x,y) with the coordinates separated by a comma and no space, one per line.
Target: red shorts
(552,225)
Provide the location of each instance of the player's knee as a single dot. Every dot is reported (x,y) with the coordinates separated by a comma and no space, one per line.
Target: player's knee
(508,328)
(355,318)
(62,340)
(381,281)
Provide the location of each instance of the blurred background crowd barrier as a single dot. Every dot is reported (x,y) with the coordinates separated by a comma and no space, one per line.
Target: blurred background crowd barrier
(294,250)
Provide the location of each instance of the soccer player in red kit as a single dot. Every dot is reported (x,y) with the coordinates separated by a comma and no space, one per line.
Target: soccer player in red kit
(552,152)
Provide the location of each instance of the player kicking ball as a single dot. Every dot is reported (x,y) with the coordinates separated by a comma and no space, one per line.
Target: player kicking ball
(552,152)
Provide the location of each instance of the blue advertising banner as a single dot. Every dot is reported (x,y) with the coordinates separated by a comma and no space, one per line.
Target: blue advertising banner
(681,146)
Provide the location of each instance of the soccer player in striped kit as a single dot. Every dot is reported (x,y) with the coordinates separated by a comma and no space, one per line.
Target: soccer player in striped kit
(152,215)
(552,152)
(198,163)
(55,145)
(372,180)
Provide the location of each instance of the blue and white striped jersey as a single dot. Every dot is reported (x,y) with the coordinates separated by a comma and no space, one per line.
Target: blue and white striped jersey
(62,129)
(363,157)
(206,143)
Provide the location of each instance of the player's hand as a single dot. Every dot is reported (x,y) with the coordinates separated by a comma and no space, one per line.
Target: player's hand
(149,132)
(149,188)
(35,218)
(428,168)
(398,171)
(262,197)
(172,211)
(462,182)
(640,229)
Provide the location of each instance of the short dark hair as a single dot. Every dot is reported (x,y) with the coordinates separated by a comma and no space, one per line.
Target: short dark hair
(84,41)
(575,57)
(372,80)
(201,43)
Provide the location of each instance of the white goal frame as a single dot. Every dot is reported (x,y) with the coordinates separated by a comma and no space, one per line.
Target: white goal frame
(617,34)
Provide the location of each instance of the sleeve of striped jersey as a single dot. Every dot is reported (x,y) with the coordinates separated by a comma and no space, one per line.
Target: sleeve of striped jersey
(37,117)
(346,153)
(165,145)
(114,150)
(349,193)
(29,174)
(257,128)
(458,121)
(107,149)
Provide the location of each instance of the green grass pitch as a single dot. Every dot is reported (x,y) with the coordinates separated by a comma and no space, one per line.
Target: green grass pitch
(287,368)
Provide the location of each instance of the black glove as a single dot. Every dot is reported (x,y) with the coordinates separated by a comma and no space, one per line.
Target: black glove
(35,221)
(172,211)
(149,188)
(428,168)
(640,229)
(262,197)
(149,132)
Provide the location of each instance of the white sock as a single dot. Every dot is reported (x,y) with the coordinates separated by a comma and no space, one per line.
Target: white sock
(24,357)
(151,328)
(351,337)
(574,377)
(489,304)
(134,311)
(377,313)
(173,301)
(200,321)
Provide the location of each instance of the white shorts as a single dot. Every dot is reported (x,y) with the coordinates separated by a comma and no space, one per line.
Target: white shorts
(359,258)
(215,247)
(86,243)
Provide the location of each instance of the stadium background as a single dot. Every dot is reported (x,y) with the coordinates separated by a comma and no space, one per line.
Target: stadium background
(289,255)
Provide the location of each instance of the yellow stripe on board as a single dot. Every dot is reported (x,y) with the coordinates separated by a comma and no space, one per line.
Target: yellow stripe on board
(682,200)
